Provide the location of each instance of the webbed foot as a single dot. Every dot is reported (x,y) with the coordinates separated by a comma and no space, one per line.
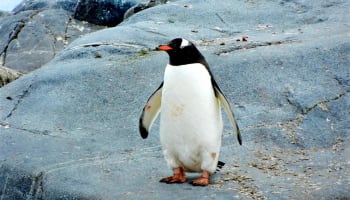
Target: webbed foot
(177,177)
(203,180)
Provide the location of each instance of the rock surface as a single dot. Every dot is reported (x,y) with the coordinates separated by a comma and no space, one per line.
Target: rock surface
(144,5)
(69,129)
(103,12)
(38,30)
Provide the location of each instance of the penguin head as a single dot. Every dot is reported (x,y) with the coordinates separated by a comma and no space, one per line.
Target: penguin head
(181,52)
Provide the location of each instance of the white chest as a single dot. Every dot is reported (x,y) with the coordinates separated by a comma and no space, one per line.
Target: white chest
(188,85)
(187,93)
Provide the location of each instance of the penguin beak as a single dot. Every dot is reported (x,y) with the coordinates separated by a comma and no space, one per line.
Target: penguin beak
(164,48)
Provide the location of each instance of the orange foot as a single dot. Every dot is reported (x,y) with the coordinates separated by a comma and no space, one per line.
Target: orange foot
(178,177)
(203,180)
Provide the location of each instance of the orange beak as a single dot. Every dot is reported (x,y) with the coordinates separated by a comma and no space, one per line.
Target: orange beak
(164,48)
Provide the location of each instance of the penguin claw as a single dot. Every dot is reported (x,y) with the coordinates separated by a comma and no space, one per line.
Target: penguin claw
(173,179)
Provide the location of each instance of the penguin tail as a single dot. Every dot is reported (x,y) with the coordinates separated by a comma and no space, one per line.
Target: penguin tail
(219,166)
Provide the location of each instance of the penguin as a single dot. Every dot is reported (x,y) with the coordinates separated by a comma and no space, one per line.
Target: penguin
(191,126)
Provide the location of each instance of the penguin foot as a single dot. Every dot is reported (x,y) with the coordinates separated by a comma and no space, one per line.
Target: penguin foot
(178,177)
(173,179)
(203,180)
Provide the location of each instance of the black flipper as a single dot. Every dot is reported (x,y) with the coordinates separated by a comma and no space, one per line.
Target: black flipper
(223,101)
(228,110)
(150,112)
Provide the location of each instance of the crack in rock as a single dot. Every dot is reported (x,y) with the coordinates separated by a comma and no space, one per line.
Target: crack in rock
(6,125)
(51,33)
(343,82)
(94,50)
(4,188)
(65,36)
(305,111)
(20,99)
(220,18)
(290,126)
(253,45)
(36,189)
(321,103)
(37,132)
(12,36)
(98,44)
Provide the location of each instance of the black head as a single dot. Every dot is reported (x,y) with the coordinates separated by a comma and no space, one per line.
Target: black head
(182,52)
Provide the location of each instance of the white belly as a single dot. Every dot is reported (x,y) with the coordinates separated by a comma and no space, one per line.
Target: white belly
(190,119)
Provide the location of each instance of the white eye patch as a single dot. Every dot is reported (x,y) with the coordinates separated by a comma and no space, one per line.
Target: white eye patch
(184,43)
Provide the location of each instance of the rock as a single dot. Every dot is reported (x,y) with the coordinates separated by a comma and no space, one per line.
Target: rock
(37,32)
(39,29)
(142,6)
(69,129)
(8,75)
(104,12)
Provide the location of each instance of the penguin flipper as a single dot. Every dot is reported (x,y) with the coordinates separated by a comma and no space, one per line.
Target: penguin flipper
(150,112)
(228,110)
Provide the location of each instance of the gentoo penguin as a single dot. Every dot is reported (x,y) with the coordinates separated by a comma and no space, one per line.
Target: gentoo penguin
(189,102)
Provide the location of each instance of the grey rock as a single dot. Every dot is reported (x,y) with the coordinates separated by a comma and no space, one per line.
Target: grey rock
(38,30)
(33,37)
(69,129)
(142,6)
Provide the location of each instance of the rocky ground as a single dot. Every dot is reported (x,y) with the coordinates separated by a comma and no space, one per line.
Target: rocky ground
(68,130)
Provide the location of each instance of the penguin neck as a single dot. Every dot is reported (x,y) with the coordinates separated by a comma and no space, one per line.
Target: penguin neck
(177,60)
